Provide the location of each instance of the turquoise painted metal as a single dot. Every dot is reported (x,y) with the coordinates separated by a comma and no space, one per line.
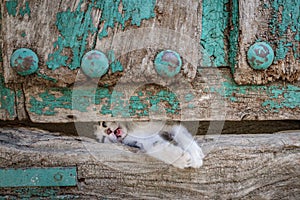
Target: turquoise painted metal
(24,61)
(41,177)
(94,64)
(260,56)
(168,63)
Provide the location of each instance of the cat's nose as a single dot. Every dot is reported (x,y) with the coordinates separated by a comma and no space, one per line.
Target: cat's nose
(108,131)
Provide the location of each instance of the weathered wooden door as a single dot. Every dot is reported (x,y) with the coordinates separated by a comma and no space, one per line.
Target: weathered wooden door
(234,60)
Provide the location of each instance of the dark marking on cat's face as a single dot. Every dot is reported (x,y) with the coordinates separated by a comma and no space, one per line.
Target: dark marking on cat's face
(113,131)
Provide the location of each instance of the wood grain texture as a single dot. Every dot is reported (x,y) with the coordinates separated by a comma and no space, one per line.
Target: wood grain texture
(212,96)
(272,22)
(61,32)
(235,167)
(36,31)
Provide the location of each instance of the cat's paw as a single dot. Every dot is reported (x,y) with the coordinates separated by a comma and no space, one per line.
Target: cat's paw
(184,161)
(196,156)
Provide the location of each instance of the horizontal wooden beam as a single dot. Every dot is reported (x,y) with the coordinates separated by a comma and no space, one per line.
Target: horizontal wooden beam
(235,167)
(213,95)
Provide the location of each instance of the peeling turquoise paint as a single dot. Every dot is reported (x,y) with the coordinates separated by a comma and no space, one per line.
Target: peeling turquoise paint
(234,35)
(23,34)
(74,28)
(166,96)
(141,107)
(11,7)
(7,99)
(215,18)
(229,89)
(114,104)
(285,21)
(119,106)
(290,97)
(278,96)
(25,10)
(115,65)
(49,103)
(133,10)
(44,76)
(189,97)
(138,107)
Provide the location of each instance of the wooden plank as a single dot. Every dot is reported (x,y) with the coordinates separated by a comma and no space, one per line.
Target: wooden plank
(176,26)
(235,167)
(38,177)
(65,30)
(275,23)
(7,101)
(212,96)
(17,26)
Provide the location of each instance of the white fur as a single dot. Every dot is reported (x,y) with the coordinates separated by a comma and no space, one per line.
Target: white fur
(146,136)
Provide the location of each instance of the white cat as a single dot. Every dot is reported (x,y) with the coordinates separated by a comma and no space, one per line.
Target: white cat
(172,144)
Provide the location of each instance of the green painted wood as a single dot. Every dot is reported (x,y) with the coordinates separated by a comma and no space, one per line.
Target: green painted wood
(75,26)
(42,177)
(24,61)
(7,101)
(215,20)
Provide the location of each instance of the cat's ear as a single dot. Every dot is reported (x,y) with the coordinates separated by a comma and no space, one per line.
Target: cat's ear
(103,124)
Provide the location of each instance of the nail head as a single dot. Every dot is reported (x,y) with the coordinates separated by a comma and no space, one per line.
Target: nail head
(24,61)
(94,64)
(260,56)
(168,63)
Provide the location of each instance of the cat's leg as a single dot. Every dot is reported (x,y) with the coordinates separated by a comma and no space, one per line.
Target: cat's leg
(155,146)
(169,153)
(186,141)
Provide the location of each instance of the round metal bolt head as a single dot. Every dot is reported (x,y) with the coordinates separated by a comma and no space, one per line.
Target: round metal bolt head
(24,61)
(168,63)
(58,177)
(260,56)
(94,64)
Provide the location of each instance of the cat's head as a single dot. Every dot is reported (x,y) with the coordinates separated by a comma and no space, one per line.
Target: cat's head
(110,132)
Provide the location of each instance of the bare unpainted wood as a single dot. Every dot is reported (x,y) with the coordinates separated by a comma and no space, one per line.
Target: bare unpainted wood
(235,167)
(254,22)
(213,100)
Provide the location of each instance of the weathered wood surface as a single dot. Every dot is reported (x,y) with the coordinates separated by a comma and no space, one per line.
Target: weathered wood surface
(212,96)
(132,31)
(65,30)
(235,167)
(274,22)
